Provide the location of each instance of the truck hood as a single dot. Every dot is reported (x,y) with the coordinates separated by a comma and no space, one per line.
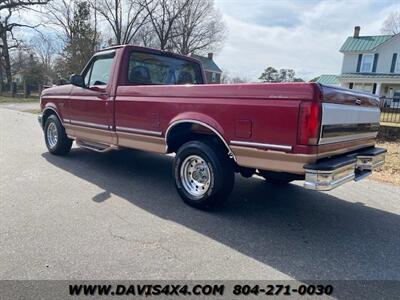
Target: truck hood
(59,90)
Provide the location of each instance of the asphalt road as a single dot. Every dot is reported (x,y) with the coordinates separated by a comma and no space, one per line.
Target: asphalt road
(117,216)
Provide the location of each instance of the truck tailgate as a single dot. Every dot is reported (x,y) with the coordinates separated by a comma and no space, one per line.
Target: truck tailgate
(348,115)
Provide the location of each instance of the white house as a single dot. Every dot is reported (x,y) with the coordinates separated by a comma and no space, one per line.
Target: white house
(372,64)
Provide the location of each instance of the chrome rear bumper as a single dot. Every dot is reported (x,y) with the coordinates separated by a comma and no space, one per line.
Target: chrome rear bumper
(331,173)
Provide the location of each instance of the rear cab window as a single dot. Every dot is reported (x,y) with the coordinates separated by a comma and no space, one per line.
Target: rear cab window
(153,69)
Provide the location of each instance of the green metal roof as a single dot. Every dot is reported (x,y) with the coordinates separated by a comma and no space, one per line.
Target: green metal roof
(370,75)
(328,79)
(364,43)
(208,64)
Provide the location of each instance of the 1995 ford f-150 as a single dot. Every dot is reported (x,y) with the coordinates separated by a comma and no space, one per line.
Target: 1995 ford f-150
(140,98)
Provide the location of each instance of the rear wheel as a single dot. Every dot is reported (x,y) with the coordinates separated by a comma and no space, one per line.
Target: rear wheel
(203,174)
(56,139)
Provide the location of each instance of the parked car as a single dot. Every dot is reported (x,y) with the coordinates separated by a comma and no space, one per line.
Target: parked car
(152,100)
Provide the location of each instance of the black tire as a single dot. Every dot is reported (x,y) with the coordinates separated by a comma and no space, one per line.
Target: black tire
(220,169)
(63,144)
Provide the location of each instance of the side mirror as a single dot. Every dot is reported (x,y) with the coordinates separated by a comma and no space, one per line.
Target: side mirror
(77,80)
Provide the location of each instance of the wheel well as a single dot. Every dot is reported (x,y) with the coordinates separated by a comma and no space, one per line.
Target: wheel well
(47,113)
(189,131)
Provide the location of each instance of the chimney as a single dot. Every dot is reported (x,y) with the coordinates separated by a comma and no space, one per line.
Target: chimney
(356,31)
(210,55)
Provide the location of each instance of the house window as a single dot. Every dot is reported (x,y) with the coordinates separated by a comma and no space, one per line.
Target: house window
(397,68)
(367,62)
(364,87)
(213,77)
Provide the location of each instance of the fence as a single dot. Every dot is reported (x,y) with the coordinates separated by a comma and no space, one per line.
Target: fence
(19,90)
(390,108)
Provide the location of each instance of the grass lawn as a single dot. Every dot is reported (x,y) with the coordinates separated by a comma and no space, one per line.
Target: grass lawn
(4,99)
(391,169)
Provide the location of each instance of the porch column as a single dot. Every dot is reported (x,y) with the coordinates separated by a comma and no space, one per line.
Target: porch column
(378,89)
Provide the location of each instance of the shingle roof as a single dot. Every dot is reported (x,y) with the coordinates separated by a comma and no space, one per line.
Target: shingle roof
(364,43)
(208,64)
(328,79)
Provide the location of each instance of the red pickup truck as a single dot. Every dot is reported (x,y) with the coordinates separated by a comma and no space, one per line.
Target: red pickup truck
(140,98)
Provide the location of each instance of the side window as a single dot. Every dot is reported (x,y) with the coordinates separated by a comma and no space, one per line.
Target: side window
(99,70)
(152,69)
(397,68)
(367,62)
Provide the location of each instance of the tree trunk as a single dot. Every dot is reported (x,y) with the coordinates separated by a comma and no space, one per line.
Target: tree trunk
(6,56)
(1,76)
(26,89)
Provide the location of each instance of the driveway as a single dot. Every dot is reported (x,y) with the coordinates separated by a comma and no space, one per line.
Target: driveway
(24,106)
(117,216)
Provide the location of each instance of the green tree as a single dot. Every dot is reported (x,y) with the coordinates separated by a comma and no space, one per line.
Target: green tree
(271,74)
(82,42)
(10,21)
(34,73)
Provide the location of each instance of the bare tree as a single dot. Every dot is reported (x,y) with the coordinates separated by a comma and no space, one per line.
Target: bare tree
(29,67)
(392,24)
(76,23)
(125,17)
(199,28)
(228,79)
(8,26)
(163,15)
(45,49)
(11,4)
(145,36)
(60,14)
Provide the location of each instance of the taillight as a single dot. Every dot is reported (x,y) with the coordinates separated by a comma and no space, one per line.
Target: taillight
(309,123)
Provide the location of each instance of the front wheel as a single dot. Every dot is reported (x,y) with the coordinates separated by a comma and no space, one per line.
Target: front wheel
(55,137)
(203,174)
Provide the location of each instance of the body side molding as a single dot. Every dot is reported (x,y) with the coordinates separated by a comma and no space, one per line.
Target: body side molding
(262,145)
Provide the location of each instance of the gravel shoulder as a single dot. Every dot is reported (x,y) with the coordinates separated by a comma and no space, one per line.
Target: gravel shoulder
(390,172)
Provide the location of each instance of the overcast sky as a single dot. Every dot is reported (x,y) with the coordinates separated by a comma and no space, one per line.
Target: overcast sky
(304,35)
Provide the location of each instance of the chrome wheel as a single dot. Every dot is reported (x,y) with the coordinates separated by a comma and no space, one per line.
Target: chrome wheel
(52,135)
(195,176)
